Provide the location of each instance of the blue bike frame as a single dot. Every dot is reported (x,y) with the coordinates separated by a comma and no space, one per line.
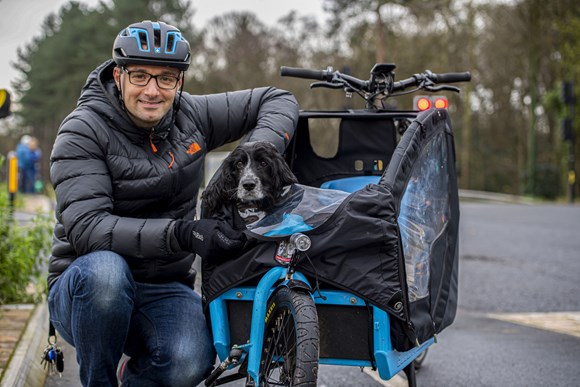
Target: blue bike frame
(388,361)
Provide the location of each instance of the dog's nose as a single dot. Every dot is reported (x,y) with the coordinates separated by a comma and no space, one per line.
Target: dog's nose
(249,185)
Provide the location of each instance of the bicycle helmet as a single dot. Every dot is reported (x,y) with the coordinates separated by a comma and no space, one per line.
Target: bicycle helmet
(152,43)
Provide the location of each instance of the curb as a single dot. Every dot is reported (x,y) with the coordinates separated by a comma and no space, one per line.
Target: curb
(24,368)
(492,197)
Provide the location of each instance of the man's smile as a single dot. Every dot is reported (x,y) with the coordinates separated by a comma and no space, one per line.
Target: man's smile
(150,104)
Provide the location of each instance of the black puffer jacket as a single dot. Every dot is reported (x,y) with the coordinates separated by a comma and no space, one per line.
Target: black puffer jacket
(115,193)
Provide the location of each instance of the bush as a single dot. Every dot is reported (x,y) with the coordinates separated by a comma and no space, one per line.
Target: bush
(23,255)
(548,181)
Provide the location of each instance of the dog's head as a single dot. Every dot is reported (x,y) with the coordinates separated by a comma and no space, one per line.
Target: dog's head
(254,174)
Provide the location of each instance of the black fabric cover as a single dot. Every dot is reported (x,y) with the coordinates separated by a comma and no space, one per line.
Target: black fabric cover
(359,247)
(369,141)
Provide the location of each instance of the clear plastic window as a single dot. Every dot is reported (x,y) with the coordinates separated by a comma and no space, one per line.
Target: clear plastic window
(423,214)
(303,208)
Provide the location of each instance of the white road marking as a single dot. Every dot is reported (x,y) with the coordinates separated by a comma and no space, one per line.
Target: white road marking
(561,322)
(395,381)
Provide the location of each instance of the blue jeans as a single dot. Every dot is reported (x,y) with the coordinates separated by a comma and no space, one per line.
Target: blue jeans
(98,308)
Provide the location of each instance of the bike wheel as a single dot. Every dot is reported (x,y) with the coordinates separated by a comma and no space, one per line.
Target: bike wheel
(291,337)
(420,359)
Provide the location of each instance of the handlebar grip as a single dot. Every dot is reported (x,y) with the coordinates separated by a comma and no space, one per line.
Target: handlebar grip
(451,77)
(404,83)
(320,75)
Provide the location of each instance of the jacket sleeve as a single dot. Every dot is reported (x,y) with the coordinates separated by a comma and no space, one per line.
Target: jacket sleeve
(263,114)
(84,200)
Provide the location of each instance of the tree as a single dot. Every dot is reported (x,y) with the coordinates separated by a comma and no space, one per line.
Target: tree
(234,54)
(351,15)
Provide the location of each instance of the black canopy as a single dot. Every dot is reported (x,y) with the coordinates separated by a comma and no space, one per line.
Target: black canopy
(393,244)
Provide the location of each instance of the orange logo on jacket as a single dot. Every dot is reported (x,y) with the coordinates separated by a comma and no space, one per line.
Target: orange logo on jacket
(193,148)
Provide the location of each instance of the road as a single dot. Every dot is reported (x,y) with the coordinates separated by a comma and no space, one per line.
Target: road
(514,260)
(518,322)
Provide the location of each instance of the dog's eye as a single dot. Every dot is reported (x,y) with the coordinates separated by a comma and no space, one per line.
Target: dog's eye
(263,164)
(240,165)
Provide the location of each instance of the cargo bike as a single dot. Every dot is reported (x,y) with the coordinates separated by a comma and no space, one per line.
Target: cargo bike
(359,266)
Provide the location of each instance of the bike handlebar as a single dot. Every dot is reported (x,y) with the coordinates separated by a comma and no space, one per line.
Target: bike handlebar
(334,77)
(418,79)
(452,77)
(319,75)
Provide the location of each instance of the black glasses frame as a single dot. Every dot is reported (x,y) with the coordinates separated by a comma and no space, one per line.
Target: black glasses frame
(149,79)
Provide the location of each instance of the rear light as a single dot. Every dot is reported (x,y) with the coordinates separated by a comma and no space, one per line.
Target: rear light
(423,102)
(441,103)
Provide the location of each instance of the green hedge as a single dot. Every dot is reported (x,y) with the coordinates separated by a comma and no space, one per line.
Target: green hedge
(24,251)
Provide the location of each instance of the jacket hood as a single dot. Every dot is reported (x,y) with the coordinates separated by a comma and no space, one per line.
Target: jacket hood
(102,96)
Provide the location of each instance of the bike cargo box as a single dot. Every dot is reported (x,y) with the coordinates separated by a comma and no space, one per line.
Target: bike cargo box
(393,244)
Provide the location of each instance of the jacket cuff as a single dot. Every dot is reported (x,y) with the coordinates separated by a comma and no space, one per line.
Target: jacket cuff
(172,239)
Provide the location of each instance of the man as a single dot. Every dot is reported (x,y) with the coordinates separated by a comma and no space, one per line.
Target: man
(126,167)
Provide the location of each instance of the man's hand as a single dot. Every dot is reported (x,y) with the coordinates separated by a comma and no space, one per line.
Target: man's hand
(208,238)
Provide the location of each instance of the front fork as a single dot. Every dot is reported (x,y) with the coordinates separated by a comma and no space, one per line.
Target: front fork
(291,278)
(263,291)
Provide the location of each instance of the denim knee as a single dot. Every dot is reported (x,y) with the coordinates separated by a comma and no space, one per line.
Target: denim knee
(105,277)
(95,292)
(191,370)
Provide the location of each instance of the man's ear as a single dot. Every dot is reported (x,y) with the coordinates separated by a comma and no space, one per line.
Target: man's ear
(182,75)
(117,76)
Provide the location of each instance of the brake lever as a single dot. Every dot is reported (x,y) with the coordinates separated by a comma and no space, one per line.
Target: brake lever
(329,85)
(443,87)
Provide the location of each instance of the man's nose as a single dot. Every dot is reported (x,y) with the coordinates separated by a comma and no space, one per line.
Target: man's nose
(151,87)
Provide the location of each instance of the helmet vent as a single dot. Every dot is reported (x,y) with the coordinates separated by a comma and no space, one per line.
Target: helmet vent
(157,37)
(143,41)
(170,47)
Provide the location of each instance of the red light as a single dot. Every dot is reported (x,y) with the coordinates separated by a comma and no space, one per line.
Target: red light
(423,103)
(441,103)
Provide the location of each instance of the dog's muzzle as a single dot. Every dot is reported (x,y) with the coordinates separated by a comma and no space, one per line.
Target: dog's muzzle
(250,188)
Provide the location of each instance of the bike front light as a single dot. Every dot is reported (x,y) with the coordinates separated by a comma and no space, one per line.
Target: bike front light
(300,241)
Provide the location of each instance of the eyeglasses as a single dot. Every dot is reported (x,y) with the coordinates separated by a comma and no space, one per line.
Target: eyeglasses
(141,78)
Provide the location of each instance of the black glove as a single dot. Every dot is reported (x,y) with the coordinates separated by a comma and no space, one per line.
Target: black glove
(208,238)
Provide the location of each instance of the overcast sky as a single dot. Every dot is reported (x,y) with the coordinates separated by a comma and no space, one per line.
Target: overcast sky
(21,20)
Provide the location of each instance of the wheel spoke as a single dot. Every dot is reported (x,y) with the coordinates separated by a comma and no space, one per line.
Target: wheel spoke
(280,355)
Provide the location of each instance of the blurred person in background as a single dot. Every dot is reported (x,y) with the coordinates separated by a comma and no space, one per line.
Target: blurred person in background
(26,167)
(34,167)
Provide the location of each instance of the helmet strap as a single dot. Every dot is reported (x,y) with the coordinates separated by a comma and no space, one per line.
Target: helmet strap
(177,103)
(119,86)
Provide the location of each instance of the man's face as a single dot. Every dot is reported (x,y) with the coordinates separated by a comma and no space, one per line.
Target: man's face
(147,104)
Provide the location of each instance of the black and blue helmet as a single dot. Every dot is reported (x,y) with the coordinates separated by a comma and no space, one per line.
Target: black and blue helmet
(152,43)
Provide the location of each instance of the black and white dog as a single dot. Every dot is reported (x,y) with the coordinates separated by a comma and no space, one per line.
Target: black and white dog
(254,177)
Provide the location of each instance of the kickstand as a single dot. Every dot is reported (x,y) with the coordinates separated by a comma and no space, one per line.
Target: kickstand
(410,372)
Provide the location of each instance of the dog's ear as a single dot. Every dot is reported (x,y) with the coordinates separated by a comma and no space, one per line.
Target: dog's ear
(219,192)
(286,177)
